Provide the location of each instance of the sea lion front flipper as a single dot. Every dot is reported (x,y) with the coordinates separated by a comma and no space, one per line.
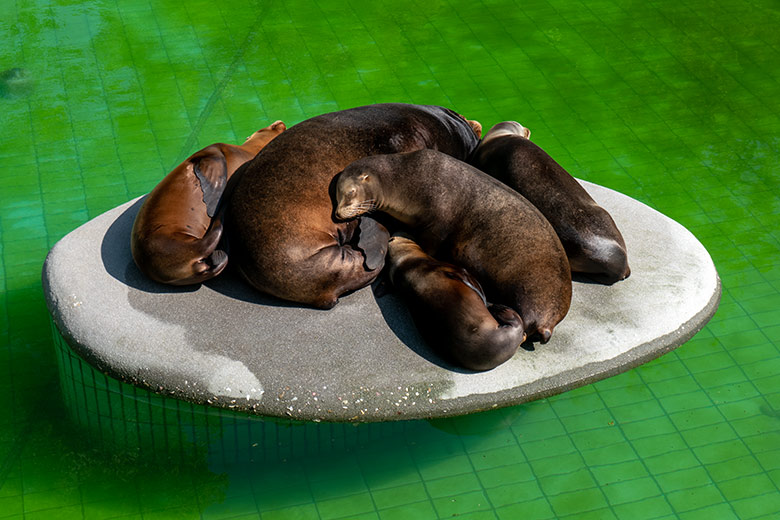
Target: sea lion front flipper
(211,171)
(505,316)
(215,258)
(372,242)
(466,279)
(212,261)
(218,260)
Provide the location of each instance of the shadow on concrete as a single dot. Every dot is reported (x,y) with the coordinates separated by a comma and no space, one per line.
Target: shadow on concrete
(118,261)
(398,318)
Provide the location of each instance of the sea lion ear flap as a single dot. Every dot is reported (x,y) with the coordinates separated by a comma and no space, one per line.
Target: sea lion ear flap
(364,177)
(211,171)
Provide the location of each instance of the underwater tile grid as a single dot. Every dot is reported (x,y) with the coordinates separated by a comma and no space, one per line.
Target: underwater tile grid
(673,103)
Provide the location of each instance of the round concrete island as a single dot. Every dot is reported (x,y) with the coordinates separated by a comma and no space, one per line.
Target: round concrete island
(223,344)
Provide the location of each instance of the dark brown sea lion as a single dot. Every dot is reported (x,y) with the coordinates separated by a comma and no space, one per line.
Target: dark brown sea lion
(592,241)
(450,310)
(282,233)
(175,233)
(462,215)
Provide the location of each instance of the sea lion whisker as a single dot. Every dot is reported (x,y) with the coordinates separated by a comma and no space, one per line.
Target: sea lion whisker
(368,205)
(358,208)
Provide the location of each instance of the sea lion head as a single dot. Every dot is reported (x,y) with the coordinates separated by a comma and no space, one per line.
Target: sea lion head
(357,191)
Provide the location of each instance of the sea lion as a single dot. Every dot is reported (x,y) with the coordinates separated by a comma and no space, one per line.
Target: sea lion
(463,215)
(282,232)
(590,237)
(175,233)
(450,310)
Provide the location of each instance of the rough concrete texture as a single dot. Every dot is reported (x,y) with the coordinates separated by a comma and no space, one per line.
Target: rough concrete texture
(224,344)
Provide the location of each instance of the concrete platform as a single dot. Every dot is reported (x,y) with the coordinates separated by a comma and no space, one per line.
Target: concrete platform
(224,344)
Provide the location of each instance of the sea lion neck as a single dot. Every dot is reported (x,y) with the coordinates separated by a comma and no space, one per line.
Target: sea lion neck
(395,192)
(413,183)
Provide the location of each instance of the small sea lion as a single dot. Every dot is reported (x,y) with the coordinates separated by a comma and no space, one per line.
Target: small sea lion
(590,237)
(177,230)
(450,310)
(462,215)
(283,235)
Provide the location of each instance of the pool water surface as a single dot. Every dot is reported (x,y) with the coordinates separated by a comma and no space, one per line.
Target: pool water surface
(673,103)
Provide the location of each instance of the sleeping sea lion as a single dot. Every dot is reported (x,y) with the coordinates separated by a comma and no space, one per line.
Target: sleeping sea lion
(175,233)
(463,215)
(590,237)
(283,235)
(450,310)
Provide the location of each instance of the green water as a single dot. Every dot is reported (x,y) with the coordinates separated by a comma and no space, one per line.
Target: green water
(674,103)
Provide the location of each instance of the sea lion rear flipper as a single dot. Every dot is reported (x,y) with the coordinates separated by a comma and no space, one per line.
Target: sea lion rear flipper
(372,242)
(211,171)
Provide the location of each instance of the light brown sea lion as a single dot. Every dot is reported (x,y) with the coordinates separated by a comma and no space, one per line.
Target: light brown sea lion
(590,237)
(283,236)
(450,310)
(462,215)
(175,233)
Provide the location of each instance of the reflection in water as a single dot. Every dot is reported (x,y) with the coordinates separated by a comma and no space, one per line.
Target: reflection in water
(136,440)
(480,424)
(16,82)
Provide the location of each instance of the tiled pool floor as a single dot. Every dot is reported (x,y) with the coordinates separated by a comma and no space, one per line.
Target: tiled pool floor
(674,103)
